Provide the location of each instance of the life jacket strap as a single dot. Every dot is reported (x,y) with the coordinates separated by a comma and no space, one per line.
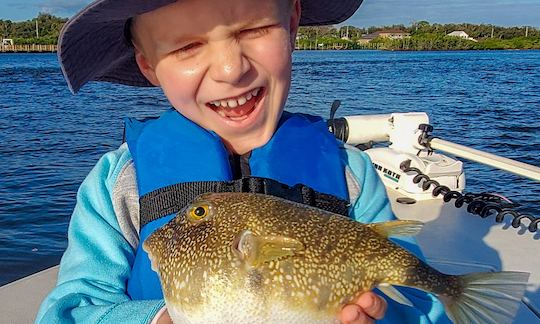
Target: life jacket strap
(171,199)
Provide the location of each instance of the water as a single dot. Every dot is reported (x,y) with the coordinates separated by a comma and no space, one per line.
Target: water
(50,139)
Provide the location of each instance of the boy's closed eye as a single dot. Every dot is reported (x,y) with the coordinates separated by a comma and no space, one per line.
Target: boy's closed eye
(255,32)
(188,49)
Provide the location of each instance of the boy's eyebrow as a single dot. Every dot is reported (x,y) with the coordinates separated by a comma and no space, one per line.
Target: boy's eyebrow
(255,21)
(183,39)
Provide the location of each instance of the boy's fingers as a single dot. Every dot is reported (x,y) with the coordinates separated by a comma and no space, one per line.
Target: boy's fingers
(354,314)
(372,304)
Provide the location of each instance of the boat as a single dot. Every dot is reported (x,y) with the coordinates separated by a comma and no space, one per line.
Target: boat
(462,233)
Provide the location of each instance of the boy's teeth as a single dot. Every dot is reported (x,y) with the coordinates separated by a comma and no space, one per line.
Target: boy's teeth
(233,103)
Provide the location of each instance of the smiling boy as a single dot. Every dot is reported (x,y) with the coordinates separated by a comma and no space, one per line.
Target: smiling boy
(225,67)
(209,62)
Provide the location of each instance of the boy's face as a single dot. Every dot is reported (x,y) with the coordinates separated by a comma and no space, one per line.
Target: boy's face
(226,65)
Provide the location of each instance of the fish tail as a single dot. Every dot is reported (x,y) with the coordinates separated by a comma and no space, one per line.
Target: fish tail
(491,297)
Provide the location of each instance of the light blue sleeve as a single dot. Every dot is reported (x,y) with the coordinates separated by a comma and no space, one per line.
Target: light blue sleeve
(94,270)
(371,206)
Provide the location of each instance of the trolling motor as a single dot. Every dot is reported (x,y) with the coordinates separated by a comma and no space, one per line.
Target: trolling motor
(410,165)
(403,131)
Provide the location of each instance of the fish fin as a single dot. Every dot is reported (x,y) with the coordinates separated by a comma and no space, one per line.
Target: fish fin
(391,292)
(397,228)
(256,249)
(491,297)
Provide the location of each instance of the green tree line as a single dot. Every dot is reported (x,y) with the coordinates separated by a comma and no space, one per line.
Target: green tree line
(41,30)
(424,36)
(482,31)
(432,42)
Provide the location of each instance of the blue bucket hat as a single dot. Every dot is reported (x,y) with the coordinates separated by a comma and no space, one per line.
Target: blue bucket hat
(93,46)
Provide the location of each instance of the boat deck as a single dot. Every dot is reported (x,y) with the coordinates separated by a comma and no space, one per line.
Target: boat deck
(20,300)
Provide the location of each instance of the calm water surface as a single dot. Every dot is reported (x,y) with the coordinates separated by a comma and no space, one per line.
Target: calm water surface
(50,139)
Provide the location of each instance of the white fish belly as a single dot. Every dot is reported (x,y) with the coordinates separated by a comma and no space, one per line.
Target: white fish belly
(241,307)
(241,313)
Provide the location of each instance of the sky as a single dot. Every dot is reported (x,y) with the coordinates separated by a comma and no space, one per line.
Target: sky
(371,13)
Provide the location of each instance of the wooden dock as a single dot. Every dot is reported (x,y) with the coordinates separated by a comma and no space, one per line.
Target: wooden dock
(337,46)
(33,48)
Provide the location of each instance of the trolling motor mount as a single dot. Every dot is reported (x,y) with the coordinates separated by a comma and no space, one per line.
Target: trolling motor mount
(408,135)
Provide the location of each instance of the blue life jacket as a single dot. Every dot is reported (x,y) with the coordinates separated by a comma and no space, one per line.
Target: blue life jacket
(172,149)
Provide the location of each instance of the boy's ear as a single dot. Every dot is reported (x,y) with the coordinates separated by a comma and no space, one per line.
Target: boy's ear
(295,21)
(146,68)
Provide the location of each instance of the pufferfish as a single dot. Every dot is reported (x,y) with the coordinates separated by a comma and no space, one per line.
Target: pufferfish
(253,258)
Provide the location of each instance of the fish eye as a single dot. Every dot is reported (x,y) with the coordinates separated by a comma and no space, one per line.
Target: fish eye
(198,212)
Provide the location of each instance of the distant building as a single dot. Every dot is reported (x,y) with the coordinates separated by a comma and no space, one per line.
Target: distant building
(461,34)
(392,34)
(366,38)
(7,42)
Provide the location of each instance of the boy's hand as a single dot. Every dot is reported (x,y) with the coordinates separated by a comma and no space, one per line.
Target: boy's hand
(366,309)
(162,318)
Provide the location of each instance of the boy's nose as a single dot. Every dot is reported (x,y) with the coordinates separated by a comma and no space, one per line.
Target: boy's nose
(230,64)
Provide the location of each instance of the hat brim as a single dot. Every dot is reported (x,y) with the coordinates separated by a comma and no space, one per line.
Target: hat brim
(92,45)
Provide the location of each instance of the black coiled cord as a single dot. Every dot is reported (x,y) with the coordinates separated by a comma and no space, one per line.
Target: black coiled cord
(483,204)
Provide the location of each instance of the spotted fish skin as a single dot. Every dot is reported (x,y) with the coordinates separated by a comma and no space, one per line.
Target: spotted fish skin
(253,258)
